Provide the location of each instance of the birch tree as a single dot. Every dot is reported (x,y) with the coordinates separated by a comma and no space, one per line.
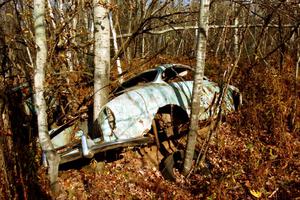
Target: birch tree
(114,34)
(102,55)
(197,86)
(236,31)
(40,103)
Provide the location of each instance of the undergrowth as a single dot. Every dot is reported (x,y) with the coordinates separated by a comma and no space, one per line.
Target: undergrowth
(256,156)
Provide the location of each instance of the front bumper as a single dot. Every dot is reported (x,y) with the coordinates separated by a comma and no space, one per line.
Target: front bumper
(83,151)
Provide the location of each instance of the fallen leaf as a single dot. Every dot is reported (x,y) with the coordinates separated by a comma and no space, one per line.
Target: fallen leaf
(256,194)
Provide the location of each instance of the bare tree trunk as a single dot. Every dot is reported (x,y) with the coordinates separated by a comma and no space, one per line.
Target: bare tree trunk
(4,176)
(118,61)
(51,14)
(102,56)
(40,103)
(143,45)
(90,27)
(129,52)
(197,86)
(223,36)
(236,31)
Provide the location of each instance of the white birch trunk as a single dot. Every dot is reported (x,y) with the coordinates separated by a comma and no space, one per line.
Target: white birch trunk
(116,49)
(72,55)
(61,12)
(90,36)
(197,87)
(51,14)
(102,56)
(40,103)
(129,31)
(143,44)
(236,33)
(223,35)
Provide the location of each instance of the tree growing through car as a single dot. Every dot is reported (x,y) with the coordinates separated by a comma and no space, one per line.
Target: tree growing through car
(101,55)
(197,86)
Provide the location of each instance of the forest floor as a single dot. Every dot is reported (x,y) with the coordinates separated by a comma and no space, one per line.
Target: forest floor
(255,155)
(238,169)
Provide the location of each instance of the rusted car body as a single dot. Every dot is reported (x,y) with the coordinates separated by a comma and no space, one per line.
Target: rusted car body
(128,117)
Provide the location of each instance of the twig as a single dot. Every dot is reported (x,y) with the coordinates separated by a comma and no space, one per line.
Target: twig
(273,193)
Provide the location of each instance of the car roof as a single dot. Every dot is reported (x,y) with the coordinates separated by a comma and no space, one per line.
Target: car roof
(159,69)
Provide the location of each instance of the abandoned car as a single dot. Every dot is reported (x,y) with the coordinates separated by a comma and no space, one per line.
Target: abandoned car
(141,109)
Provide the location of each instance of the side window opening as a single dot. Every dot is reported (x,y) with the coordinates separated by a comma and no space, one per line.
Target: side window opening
(176,74)
(142,78)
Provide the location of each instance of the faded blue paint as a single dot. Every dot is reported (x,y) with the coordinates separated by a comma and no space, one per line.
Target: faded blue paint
(129,115)
(135,109)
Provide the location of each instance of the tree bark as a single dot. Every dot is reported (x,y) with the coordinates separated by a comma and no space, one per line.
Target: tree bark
(4,178)
(236,32)
(102,55)
(197,86)
(114,34)
(40,103)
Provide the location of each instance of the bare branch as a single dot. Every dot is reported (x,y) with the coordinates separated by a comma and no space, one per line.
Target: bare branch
(158,32)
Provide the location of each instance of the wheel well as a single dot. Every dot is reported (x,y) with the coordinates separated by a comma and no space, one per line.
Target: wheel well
(171,122)
(176,112)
